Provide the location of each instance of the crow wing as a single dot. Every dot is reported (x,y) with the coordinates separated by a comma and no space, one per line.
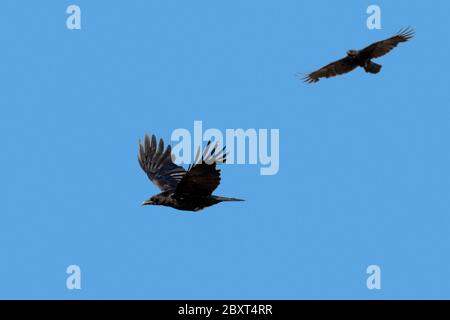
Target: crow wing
(202,178)
(381,48)
(158,165)
(338,67)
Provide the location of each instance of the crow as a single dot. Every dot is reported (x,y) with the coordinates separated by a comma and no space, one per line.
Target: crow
(189,190)
(361,58)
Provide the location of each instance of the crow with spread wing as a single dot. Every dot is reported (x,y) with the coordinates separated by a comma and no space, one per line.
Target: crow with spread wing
(189,190)
(361,58)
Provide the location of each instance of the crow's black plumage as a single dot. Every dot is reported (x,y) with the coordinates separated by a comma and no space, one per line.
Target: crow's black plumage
(189,190)
(361,58)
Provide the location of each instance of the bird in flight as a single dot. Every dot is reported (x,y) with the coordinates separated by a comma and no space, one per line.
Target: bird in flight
(361,58)
(189,190)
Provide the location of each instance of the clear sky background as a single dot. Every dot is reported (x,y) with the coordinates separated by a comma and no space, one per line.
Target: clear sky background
(364,161)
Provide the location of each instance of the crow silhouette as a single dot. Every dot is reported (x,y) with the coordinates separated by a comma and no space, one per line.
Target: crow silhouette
(361,58)
(189,190)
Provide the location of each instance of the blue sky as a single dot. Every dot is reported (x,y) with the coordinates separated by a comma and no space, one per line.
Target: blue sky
(364,160)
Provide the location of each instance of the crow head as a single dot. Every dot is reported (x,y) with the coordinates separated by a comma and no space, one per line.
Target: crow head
(155,201)
(352,53)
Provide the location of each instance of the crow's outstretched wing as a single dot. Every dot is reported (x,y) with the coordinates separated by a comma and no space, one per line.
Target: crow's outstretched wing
(158,164)
(342,66)
(381,48)
(202,178)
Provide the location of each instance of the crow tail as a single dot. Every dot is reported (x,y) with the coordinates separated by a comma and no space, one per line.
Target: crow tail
(372,67)
(227,199)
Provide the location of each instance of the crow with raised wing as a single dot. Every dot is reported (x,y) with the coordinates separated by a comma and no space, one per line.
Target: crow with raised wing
(189,190)
(361,58)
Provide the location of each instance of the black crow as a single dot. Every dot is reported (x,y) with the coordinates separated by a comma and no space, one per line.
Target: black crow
(361,58)
(183,190)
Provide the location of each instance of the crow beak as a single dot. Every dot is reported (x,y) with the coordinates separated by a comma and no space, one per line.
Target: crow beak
(147,202)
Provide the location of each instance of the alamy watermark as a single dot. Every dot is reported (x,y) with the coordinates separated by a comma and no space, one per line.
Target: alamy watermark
(374,20)
(73,21)
(73,281)
(374,280)
(250,146)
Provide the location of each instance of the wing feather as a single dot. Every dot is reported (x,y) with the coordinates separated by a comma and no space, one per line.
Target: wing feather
(158,165)
(333,69)
(381,48)
(203,177)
